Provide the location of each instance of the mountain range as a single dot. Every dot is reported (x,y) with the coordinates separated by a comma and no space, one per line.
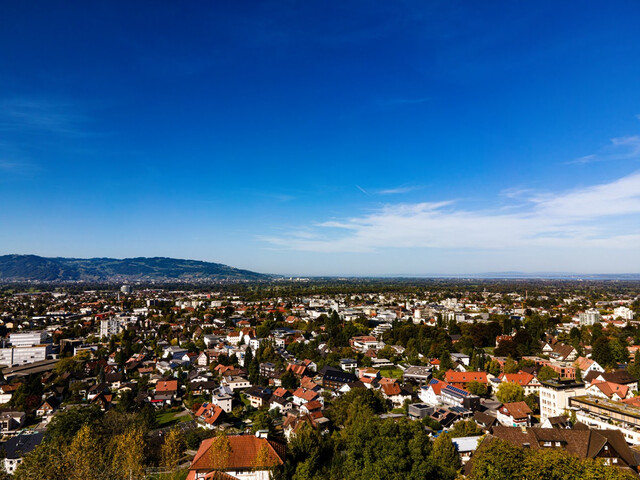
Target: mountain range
(18,268)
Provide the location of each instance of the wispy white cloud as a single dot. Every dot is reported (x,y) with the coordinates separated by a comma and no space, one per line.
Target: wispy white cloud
(362,189)
(619,148)
(397,190)
(605,215)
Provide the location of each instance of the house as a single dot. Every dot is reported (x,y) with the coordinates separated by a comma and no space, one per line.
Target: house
(173,352)
(458,397)
(395,394)
(267,369)
(11,422)
(418,411)
(430,394)
(235,382)
(587,365)
(311,407)
(333,378)
(297,369)
(417,374)
(48,407)
(209,414)
(526,380)
(249,457)
(465,447)
(280,404)
(17,447)
(167,386)
(364,343)
(515,414)
(461,379)
(302,396)
(348,364)
(606,445)
(234,338)
(222,400)
(96,390)
(258,396)
(484,420)
(6,392)
(165,393)
(292,424)
(621,377)
(561,421)
(103,400)
(610,390)
(563,353)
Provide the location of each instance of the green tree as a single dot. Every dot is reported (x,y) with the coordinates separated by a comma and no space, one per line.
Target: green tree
(510,392)
(547,373)
(445,455)
(477,388)
(465,428)
(497,460)
(172,449)
(289,380)
(510,366)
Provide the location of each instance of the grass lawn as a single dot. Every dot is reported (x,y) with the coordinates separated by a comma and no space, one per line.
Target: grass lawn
(167,419)
(391,372)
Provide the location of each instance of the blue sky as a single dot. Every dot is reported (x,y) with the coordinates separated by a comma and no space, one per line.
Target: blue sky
(362,138)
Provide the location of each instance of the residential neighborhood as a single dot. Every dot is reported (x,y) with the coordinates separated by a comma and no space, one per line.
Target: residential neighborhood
(247,376)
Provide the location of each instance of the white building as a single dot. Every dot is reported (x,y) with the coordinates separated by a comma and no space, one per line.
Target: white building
(11,356)
(589,317)
(222,400)
(28,339)
(555,395)
(114,325)
(623,312)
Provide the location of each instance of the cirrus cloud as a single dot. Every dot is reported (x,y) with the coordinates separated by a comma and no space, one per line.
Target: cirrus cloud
(601,216)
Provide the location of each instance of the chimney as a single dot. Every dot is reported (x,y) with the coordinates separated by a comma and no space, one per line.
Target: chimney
(262,434)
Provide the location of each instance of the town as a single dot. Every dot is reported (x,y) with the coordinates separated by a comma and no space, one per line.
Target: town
(304,379)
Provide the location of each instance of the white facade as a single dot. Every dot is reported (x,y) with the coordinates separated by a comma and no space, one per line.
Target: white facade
(22,355)
(28,339)
(554,397)
(115,325)
(223,401)
(590,317)
(623,312)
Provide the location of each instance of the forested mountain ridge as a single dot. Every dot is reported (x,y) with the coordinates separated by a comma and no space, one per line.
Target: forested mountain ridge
(43,269)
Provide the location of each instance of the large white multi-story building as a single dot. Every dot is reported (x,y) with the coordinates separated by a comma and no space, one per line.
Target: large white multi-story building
(28,339)
(114,325)
(555,395)
(623,312)
(11,356)
(589,317)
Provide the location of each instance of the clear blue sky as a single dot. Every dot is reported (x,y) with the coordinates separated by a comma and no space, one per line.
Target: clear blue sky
(324,137)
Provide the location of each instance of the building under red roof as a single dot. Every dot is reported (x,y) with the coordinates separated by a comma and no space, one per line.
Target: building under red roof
(247,453)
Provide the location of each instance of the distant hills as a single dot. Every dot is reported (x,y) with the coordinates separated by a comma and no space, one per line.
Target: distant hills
(20,268)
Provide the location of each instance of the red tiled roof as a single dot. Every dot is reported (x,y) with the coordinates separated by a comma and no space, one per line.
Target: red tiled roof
(307,395)
(517,410)
(390,389)
(313,405)
(280,392)
(244,450)
(167,386)
(464,377)
(520,378)
(437,385)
